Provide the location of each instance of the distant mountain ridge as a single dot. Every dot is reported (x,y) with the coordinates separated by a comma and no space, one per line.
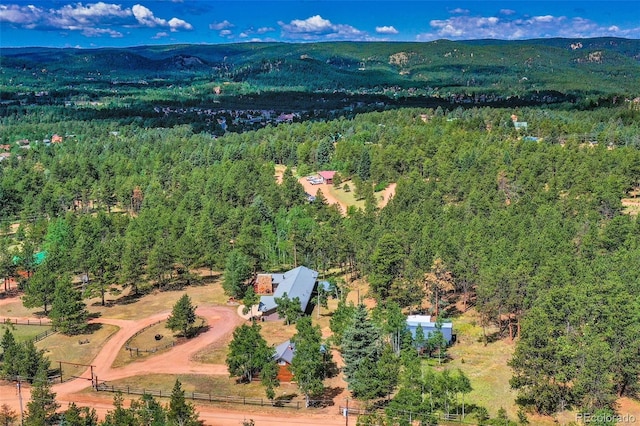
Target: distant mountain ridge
(567,65)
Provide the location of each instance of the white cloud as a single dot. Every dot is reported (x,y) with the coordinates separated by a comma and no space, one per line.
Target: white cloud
(386,30)
(98,32)
(217,26)
(513,28)
(225,33)
(91,19)
(21,15)
(145,16)
(317,28)
(159,35)
(175,24)
(263,30)
(460,11)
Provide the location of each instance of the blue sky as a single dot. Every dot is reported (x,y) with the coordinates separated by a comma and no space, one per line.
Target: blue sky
(87,24)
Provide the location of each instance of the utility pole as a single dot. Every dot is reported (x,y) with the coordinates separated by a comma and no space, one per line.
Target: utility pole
(19,387)
(346,414)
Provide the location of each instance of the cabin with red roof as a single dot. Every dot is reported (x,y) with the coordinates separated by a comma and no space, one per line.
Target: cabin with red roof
(327,176)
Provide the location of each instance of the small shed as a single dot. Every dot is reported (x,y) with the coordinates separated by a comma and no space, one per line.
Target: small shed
(327,176)
(284,357)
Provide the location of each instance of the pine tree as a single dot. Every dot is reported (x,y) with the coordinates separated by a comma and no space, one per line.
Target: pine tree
(41,287)
(183,316)
(68,311)
(237,271)
(325,152)
(250,299)
(180,412)
(360,342)
(43,404)
(8,416)
(248,352)
(79,416)
(31,360)
(308,363)
(120,415)
(10,354)
(289,309)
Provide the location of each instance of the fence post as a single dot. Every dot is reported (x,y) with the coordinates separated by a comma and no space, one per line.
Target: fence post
(127,389)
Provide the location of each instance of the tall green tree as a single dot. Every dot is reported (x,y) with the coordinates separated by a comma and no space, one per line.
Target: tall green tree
(308,365)
(180,412)
(41,286)
(289,309)
(183,316)
(43,405)
(79,416)
(237,271)
(248,352)
(11,354)
(68,311)
(360,343)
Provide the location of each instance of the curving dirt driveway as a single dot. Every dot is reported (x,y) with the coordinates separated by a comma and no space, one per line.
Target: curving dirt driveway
(178,360)
(313,190)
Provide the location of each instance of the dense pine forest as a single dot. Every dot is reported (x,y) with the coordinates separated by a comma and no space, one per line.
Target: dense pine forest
(527,224)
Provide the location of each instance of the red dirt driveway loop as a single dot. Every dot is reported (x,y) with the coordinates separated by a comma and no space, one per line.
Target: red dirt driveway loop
(177,360)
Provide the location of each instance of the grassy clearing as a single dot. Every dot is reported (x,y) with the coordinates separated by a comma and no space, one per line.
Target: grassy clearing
(214,385)
(146,340)
(346,198)
(157,301)
(15,309)
(59,347)
(22,333)
(486,366)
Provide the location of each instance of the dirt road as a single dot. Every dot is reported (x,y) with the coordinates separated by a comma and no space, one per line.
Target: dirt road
(313,190)
(178,360)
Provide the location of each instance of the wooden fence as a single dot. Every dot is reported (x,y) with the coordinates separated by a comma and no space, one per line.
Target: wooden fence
(14,321)
(149,351)
(197,396)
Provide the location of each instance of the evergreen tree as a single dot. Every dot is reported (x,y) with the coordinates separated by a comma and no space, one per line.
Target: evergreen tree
(79,416)
(364,165)
(289,309)
(43,405)
(68,311)
(237,271)
(41,287)
(10,354)
(360,343)
(8,417)
(249,300)
(119,416)
(325,152)
(180,412)
(31,361)
(308,366)
(183,316)
(340,320)
(248,352)
(148,411)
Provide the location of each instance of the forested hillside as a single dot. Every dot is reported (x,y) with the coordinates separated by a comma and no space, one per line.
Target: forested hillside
(531,229)
(484,71)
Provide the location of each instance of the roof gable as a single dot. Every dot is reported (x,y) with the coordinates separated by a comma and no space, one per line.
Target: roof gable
(298,282)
